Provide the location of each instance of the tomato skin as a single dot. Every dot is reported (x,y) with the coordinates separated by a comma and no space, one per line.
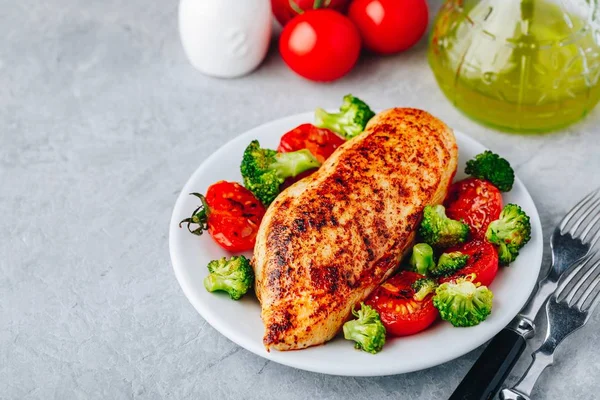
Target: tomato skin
(390,26)
(320,45)
(285,10)
(320,142)
(397,292)
(483,262)
(475,202)
(234,216)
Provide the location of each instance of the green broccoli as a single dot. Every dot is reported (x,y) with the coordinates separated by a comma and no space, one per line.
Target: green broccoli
(449,263)
(367,330)
(440,231)
(350,121)
(234,276)
(510,233)
(463,303)
(492,168)
(421,259)
(423,287)
(264,170)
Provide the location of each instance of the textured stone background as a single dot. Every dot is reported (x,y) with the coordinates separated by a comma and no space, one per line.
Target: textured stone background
(102,120)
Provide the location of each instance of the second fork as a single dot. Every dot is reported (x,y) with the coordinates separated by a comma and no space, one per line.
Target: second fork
(567,310)
(571,241)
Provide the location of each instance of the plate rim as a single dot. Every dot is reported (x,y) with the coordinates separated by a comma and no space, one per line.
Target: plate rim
(244,342)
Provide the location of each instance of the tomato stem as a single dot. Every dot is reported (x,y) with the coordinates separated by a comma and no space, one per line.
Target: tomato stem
(199,216)
(317,4)
(294,6)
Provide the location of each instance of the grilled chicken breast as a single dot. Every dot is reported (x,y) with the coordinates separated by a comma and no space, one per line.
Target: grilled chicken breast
(329,240)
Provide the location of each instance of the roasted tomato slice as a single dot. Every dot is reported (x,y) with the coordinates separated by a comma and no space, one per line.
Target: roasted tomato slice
(400,313)
(235,215)
(475,202)
(320,142)
(230,213)
(483,262)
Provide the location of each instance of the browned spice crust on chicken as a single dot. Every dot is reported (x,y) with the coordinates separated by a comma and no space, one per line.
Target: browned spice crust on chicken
(329,240)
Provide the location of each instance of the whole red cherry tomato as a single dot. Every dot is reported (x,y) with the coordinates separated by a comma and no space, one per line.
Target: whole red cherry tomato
(320,45)
(475,202)
(319,141)
(285,10)
(230,213)
(400,312)
(483,262)
(389,26)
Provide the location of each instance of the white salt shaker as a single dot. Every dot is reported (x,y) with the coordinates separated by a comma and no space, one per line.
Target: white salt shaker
(225,38)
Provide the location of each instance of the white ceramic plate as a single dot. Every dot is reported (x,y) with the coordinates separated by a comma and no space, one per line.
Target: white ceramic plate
(240,321)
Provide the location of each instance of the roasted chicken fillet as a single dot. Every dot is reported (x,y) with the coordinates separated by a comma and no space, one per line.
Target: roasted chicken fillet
(329,240)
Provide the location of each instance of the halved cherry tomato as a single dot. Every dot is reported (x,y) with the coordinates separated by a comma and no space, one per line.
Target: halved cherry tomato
(475,202)
(285,10)
(319,141)
(389,26)
(320,45)
(400,313)
(230,213)
(483,262)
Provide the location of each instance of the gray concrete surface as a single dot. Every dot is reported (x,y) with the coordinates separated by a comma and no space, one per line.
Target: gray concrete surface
(102,120)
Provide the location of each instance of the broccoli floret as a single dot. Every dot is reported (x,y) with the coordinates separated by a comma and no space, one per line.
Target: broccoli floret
(492,168)
(462,302)
(234,276)
(421,259)
(264,170)
(510,233)
(350,121)
(449,263)
(367,330)
(423,287)
(440,231)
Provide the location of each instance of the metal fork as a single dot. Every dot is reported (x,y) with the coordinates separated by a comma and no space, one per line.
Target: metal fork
(567,310)
(571,241)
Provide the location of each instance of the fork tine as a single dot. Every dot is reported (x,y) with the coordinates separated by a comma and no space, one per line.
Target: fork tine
(595,215)
(576,292)
(576,278)
(570,275)
(591,208)
(594,302)
(595,239)
(592,286)
(591,231)
(567,218)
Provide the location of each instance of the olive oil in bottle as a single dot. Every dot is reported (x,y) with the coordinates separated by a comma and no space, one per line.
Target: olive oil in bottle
(518,65)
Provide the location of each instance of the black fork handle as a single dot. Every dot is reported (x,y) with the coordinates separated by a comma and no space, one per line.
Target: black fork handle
(491,368)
